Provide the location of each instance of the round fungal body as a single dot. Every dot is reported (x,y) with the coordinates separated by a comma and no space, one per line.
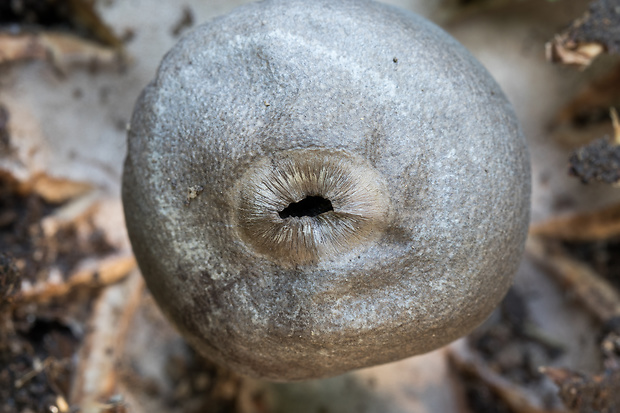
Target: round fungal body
(317,186)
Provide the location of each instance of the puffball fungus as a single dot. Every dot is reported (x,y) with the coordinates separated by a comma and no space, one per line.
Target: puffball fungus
(317,186)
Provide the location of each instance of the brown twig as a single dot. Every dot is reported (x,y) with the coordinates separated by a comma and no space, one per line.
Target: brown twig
(590,226)
(598,296)
(519,399)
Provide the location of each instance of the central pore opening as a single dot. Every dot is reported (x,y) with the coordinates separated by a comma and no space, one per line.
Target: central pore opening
(310,206)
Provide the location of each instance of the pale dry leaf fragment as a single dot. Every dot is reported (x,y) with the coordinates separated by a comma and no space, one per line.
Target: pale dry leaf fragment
(79,212)
(52,189)
(93,273)
(60,49)
(62,404)
(20,47)
(96,378)
(562,50)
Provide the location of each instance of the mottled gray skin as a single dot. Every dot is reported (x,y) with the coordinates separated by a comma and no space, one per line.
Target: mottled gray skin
(375,81)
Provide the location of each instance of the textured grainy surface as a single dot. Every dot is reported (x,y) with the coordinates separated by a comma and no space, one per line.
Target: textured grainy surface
(361,78)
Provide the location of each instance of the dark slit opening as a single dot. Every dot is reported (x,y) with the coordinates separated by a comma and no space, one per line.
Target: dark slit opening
(310,206)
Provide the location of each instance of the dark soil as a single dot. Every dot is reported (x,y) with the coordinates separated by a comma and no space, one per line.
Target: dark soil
(38,341)
(22,237)
(37,355)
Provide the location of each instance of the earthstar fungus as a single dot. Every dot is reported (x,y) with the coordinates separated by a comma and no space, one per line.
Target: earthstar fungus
(364,188)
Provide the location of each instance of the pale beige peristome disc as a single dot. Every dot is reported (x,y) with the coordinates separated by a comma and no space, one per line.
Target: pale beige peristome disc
(360,205)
